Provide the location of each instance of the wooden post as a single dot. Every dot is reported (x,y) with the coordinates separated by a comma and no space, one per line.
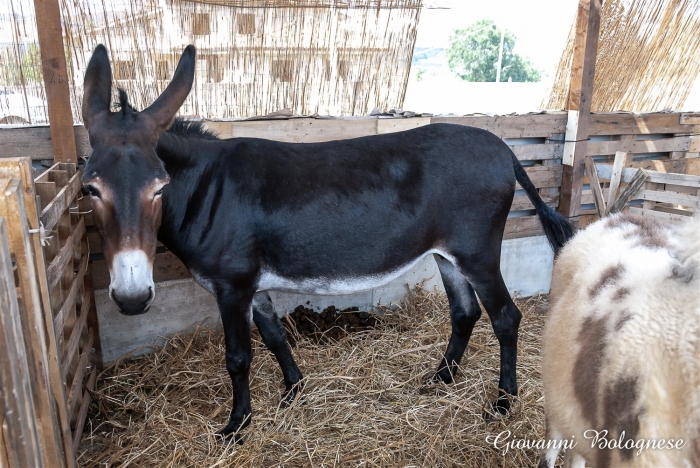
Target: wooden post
(579,106)
(618,165)
(595,186)
(53,64)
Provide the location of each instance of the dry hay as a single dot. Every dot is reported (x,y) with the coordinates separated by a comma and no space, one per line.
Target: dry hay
(364,403)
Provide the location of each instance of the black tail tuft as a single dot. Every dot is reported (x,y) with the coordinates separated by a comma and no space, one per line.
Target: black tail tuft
(557,228)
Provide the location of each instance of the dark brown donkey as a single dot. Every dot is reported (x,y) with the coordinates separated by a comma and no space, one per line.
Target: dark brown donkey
(247,215)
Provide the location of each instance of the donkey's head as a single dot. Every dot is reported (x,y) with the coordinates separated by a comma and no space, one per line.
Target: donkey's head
(125,178)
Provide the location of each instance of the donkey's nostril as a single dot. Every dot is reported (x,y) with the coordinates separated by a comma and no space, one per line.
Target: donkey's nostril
(133,304)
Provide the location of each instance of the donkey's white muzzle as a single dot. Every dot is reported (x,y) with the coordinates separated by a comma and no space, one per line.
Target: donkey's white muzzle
(131,287)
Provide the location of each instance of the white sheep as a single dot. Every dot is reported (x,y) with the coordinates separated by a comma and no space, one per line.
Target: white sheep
(621,346)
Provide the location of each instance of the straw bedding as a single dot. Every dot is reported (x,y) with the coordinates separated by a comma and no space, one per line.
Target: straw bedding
(364,403)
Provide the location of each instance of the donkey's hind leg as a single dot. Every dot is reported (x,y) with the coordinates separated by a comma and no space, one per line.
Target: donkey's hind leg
(464,313)
(484,274)
(275,338)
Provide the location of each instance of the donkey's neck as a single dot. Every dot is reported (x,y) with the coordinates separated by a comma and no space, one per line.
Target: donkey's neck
(173,150)
(186,159)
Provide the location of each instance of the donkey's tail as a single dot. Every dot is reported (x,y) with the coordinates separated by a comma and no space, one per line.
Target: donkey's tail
(556,227)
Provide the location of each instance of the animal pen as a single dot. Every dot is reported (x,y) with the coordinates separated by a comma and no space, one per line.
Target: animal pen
(59,328)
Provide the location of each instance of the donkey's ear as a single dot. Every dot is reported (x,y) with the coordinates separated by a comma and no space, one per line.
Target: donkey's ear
(97,87)
(163,110)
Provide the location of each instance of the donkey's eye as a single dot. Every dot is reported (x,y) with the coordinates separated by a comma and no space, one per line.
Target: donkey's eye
(92,191)
(158,193)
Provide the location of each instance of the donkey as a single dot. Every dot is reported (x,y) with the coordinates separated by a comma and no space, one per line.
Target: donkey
(249,215)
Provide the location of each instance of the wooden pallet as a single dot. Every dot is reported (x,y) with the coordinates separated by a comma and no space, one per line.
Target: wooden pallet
(667,196)
(54,301)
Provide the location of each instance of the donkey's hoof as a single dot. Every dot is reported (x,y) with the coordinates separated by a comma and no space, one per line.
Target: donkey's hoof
(231,439)
(500,408)
(231,432)
(445,375)
(293,395)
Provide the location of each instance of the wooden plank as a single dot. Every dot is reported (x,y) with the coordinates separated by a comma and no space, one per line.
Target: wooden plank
(302,130)
(692,167)
(513,126)
(618,165)
(53,211)
(543,176)
(587,196)
(635,184)
(595,187)
(668,197)
(657,214)
(538,152)
(680,189)
(694,144)
(690,118)
(678,166)
(678,211)
(36,142)
(59,263)
(59,321)
(53,62)
(525,226)
(400,125)
(605,171)
(21,439)
(84,406)
(12,207)
(663,145)
(676,179)
(522,202)
(73,341)
(76,386)
(637,124)
(579,106)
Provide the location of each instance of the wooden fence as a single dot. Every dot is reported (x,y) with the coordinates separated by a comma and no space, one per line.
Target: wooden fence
(53,306)
(665,195)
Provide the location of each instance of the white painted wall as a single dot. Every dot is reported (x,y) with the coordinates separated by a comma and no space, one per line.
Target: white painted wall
(181,305)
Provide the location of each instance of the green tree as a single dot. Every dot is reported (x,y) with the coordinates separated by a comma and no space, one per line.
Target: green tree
(473,55)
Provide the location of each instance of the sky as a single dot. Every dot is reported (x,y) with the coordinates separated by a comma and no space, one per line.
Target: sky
(540,26)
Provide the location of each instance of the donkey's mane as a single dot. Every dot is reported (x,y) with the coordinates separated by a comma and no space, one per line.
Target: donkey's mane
(190,128)
(180,127)
(124,104)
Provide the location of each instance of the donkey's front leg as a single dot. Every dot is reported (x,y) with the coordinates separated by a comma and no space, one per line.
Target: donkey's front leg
(275,338)
(236,314)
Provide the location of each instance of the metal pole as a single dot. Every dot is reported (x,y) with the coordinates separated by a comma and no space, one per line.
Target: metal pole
(500,58)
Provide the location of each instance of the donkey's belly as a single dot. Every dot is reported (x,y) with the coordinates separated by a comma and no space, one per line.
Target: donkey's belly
(332,285)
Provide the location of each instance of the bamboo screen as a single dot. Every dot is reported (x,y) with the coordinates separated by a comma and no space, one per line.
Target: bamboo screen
(254,57)
(647,57)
